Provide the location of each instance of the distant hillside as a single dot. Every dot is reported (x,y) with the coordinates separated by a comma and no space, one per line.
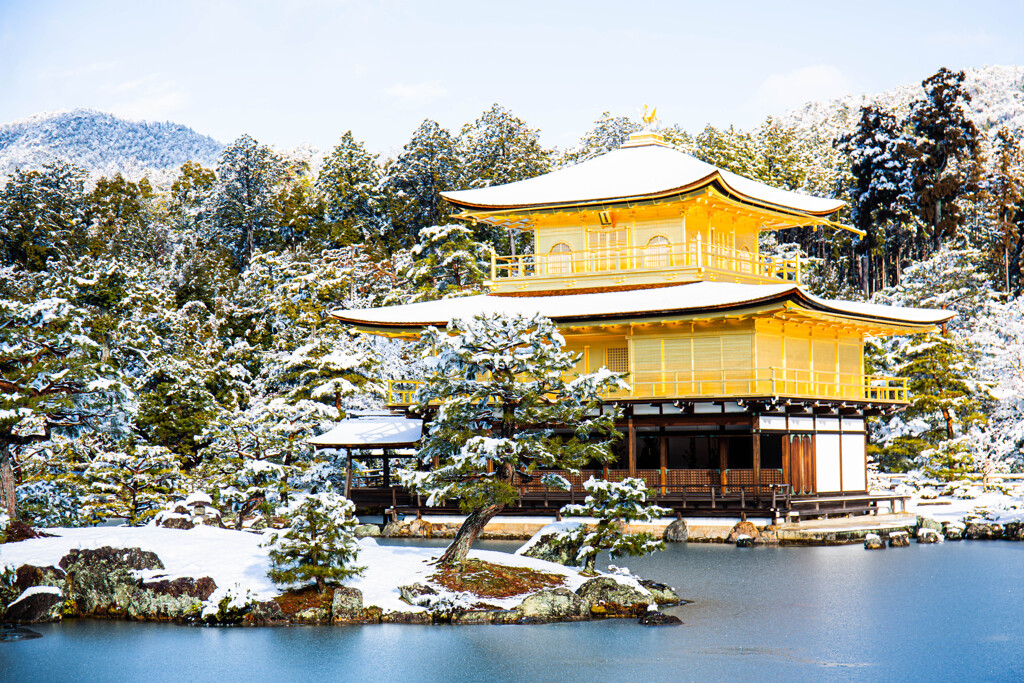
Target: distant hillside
(997,99)
(104,144)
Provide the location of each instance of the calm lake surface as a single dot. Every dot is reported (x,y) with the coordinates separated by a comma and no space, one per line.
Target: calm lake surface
(953,611)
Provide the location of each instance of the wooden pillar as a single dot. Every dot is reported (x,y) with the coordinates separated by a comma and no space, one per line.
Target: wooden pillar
(348,473)
(663,459)
(756,447)
(632,447)
(387,469)
(786,470)
(723,459)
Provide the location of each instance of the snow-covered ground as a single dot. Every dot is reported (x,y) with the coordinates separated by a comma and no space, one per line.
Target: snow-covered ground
(238,564)
(959,501)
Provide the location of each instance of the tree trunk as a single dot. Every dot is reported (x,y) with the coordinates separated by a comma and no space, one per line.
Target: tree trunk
(470,529)
(254,502)
(321,585)
(7,486)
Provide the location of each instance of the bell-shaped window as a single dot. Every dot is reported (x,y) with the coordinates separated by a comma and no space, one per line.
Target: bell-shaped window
(656,254)
(560,259)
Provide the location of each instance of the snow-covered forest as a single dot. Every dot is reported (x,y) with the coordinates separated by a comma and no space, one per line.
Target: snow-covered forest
(165,336)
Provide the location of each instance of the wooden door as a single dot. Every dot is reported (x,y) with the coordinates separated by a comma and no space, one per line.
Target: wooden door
(801,463)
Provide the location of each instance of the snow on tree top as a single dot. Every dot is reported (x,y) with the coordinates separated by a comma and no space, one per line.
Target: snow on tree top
(632,173)
(680,299)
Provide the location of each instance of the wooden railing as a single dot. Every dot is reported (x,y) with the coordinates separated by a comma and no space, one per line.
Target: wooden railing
(723,383)
(665,257)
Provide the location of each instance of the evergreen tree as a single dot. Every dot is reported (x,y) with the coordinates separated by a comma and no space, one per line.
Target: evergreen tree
(131,481)
(1005,181)
(427,166)
(347,185)
(880,190)
(448,262)
(318,545)
(42,215)
(496,149)
(190,192)
(614,505)
(124,222)
(501,387)
(242,212)
(944,154)
(607,135)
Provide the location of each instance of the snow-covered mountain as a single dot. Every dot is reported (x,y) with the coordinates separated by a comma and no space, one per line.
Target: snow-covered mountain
(997,99)
(104,144)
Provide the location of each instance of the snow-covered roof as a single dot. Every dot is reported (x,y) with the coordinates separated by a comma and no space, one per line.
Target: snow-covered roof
(663,301)
(377,431)
(630,173)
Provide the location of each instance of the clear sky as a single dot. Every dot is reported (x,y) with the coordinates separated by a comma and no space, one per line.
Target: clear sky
(294,71)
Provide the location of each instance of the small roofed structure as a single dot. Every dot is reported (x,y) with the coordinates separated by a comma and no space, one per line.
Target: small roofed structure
(371,432)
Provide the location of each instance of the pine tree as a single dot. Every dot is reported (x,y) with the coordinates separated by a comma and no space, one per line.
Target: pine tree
(42,215)
(427,166)
(501,389)
(496,149)
(880,192)
(614,505)
(1005,180)
(944,153)
(448,262)
(128,480)
(319,543)
(607,135)
(347,185)
(243,213)
(124,222)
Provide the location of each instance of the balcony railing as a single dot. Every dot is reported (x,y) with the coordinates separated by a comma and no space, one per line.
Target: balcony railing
(696,257)
(788,382)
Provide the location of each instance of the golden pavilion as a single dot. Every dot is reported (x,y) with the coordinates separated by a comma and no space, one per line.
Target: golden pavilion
(747,393)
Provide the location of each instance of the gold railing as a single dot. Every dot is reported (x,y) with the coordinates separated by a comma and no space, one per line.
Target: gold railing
(693,255)
(732,383)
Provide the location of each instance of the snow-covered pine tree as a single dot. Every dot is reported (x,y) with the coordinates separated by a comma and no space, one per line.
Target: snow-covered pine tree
(944,154)
(614,504)
(880,193)
(501,386)
(318,545)
(124,220)
(607,135)
(347,186)
(127,480)
(42,215)
(495,149)
(427,166)
(449,262)
(242,212)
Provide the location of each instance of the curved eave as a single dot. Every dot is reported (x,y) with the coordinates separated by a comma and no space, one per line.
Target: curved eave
(714,178)
(794,300)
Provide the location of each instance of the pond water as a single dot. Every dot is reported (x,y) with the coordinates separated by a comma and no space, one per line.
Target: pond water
(928,612)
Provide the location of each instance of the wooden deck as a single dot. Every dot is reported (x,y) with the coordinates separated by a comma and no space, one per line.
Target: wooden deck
(685,492)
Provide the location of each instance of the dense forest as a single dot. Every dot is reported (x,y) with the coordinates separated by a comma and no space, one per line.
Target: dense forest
(165,338)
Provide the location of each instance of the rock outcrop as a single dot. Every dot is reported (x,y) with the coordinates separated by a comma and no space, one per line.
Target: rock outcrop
(557,604)
(605,597)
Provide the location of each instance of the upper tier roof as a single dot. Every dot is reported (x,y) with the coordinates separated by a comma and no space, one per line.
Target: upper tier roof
(640,170)
(606,307)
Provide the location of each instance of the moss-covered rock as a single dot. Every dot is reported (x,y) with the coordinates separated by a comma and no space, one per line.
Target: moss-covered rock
(557,604)
(607,598)
(347,605)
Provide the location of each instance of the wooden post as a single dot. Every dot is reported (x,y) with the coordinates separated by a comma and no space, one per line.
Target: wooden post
(387,469)
(723,461)
(663,460)
(756,446)
(348,474)
(632,447)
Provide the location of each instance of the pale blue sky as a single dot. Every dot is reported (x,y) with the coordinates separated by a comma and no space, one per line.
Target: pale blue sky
(308,70)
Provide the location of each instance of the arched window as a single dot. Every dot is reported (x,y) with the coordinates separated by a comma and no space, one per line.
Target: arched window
(656,254)
(560,259)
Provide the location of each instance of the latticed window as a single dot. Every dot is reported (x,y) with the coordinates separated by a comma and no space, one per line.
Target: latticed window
(656,254)
(617,360)
(560,259)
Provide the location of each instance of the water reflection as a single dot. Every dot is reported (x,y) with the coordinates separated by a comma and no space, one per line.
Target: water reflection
(918,613)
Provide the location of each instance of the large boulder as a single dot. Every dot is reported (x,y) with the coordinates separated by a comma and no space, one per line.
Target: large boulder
(656,618)
(1014,531)
(557,604)
(742,529)
(555,542)
(101,581)
(29,575)
(925,535)
(366,530)
(676,532)
(419,594)
(661,593)
(36,605)
(347,604)
(873,542)
(899,539)
(979,531)
(170,599)
(606,597)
